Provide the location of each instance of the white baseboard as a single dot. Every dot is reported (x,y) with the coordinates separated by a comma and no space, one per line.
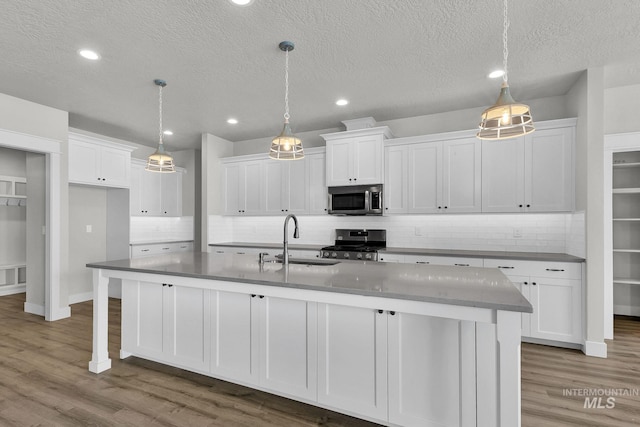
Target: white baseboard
(34,309)
(76,298)
(595,349)
(13,289)
(626,310)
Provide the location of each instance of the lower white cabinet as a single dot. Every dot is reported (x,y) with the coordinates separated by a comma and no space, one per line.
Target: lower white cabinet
(352,359)
(138,251)
(166,323)
(433,260)
(265,341)
(554,290)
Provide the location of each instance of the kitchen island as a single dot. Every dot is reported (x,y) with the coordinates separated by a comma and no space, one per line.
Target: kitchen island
(396,344)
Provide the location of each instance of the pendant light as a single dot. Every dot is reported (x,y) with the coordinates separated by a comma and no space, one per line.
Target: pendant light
(286,146)
(160,161)
(506,118)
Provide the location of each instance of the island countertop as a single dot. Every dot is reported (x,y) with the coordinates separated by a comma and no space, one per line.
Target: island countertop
(463,286)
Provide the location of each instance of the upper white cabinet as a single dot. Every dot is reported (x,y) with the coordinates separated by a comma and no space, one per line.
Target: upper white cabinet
(153,193)
(534,173)
(255,185)
(93,161)
(356,157)
(429,174)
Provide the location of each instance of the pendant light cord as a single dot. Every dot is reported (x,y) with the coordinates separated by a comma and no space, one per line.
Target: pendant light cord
(286,87)
(505,48)
(160,113)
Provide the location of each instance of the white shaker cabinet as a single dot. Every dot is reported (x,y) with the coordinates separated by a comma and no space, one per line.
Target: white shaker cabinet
(265,341)
(355,157)
(554,289)
(352,359)
(243,183)
(534,173)
(93,161)
(317,183)
(154,193)
(430,175)
(166,323)
(285,186)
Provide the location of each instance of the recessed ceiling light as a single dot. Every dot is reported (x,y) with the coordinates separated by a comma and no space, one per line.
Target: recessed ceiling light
(232,121)
(495,74)
(168,132)
(89,54)
(342,102)
(242,2)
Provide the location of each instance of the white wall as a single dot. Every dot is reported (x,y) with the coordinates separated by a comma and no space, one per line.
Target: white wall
(87,207)
(13,219)
(35,239)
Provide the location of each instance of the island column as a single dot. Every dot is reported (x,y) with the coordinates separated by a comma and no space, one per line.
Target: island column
(100,358)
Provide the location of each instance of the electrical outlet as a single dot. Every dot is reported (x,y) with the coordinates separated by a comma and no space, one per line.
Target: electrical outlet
(517,232)
(418,231)
(89,228)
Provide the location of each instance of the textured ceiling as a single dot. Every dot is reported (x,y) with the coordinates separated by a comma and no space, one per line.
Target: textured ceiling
(390,58)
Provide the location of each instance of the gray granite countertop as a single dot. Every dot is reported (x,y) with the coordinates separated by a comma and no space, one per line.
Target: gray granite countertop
(524,256)
(463,286)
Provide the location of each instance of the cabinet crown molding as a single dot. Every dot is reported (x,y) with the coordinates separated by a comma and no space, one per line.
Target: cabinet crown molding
(380,130)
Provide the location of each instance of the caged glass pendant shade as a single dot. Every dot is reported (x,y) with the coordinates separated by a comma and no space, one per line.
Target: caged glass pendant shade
(506,118)
(160,161)
(286,146)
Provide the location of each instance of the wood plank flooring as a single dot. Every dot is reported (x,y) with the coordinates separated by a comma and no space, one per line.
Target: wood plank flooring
(44,381)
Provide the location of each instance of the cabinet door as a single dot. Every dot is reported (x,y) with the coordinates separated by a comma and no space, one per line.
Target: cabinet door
(296,196)
(115,167)
(84,163)
(274,183)
(424,184)
(318,195)
(368,162)
(395,181)
(188,326)
(151,193)
(253,201)
(430,375)
(143,315)
(503,175)
(549,170)
(135,191)
(557,309)
(233,188)
(352,359)
(339,163)
(234,348)
(462,175)
(288,346)
(171,200)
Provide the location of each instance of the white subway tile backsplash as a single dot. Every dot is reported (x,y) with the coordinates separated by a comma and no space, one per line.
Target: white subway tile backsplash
(144,229)
(540,232)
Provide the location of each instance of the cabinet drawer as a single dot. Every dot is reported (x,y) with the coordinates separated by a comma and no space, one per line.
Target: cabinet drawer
(443,260)
(560,270)
(144,250)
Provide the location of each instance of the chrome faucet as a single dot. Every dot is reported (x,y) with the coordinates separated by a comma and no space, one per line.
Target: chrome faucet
(296,234)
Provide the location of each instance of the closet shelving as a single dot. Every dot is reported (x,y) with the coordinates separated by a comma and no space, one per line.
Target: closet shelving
(13,191)
(626,218)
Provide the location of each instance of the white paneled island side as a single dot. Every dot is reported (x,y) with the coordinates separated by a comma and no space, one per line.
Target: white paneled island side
(398,344)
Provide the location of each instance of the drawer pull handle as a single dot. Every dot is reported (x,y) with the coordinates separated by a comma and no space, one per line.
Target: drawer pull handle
(144,250)
(555,269)
(505,267)
(422,262)
(462,265)
(165,249)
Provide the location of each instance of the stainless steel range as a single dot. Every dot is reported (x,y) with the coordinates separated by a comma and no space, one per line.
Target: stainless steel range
(356,244)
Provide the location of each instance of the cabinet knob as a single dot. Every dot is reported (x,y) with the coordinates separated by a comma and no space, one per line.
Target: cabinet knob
(380,311)
(393,313)
(525,283)
(261,296)
(533,283)
(349,179)
(519,206)
(253,295)
(355,179)
(445,207)
(439,207)
(104,179)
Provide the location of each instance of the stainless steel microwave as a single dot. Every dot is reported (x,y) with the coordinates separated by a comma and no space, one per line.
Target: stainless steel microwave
(355,200)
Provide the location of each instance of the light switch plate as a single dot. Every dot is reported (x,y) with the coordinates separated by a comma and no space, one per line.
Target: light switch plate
(89,228)
(517,232)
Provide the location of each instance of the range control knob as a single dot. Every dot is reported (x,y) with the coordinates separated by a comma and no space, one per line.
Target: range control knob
(325,254)
(367,256)
(359,256)
(334,255)
(346,255)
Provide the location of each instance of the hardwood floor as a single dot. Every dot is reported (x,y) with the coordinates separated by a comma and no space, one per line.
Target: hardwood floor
(44,381)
